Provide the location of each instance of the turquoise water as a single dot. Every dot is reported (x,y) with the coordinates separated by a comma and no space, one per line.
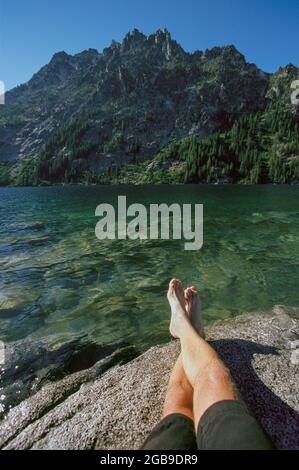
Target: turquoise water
(58,281)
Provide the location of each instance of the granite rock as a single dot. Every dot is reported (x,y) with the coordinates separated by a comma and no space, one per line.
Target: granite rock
(116,408)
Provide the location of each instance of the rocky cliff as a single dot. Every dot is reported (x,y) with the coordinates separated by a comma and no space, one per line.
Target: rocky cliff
(96,111)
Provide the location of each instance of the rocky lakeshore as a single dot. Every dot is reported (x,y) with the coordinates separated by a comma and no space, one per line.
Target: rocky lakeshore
(114,404)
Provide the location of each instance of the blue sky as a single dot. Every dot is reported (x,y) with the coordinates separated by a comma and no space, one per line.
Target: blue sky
(31,31)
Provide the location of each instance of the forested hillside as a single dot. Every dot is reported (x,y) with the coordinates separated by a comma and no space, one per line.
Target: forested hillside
(144,110)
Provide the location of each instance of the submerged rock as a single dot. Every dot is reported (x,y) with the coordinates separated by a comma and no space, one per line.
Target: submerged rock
(116,409)
(30,364)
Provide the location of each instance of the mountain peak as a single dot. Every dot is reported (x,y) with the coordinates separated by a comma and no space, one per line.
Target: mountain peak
(226,52)
(60,56)
(163,33)
(90,51)
(135,33)
(288,69)
(163,40)
(133,39)
(136,87)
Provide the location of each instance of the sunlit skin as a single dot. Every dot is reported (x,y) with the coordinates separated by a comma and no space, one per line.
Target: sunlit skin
(199,378)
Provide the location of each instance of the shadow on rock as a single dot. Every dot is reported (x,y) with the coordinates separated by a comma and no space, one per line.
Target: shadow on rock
(278,419)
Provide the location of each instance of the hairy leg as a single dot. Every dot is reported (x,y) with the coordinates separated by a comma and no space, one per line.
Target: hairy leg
(205,371)
(213,384)
(179,394)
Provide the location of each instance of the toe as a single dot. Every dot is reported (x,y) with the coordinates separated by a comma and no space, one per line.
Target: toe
(172,284)
(180,290)
(188,291)
(186,296)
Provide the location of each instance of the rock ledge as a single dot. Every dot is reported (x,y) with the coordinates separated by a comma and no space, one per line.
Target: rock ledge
(116,409)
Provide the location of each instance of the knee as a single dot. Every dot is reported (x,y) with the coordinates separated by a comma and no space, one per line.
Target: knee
(217,374)
(180,385)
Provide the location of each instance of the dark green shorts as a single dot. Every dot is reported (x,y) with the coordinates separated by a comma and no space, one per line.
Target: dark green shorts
(226,425)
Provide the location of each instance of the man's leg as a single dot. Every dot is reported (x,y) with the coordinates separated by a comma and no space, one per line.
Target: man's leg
(206,373)
(176,430)
(179,394)
(210,379)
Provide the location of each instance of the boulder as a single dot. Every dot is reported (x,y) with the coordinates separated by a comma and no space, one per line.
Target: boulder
(96,408)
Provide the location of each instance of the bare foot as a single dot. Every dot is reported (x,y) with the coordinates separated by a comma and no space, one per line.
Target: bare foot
(193,307)
(175,296)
